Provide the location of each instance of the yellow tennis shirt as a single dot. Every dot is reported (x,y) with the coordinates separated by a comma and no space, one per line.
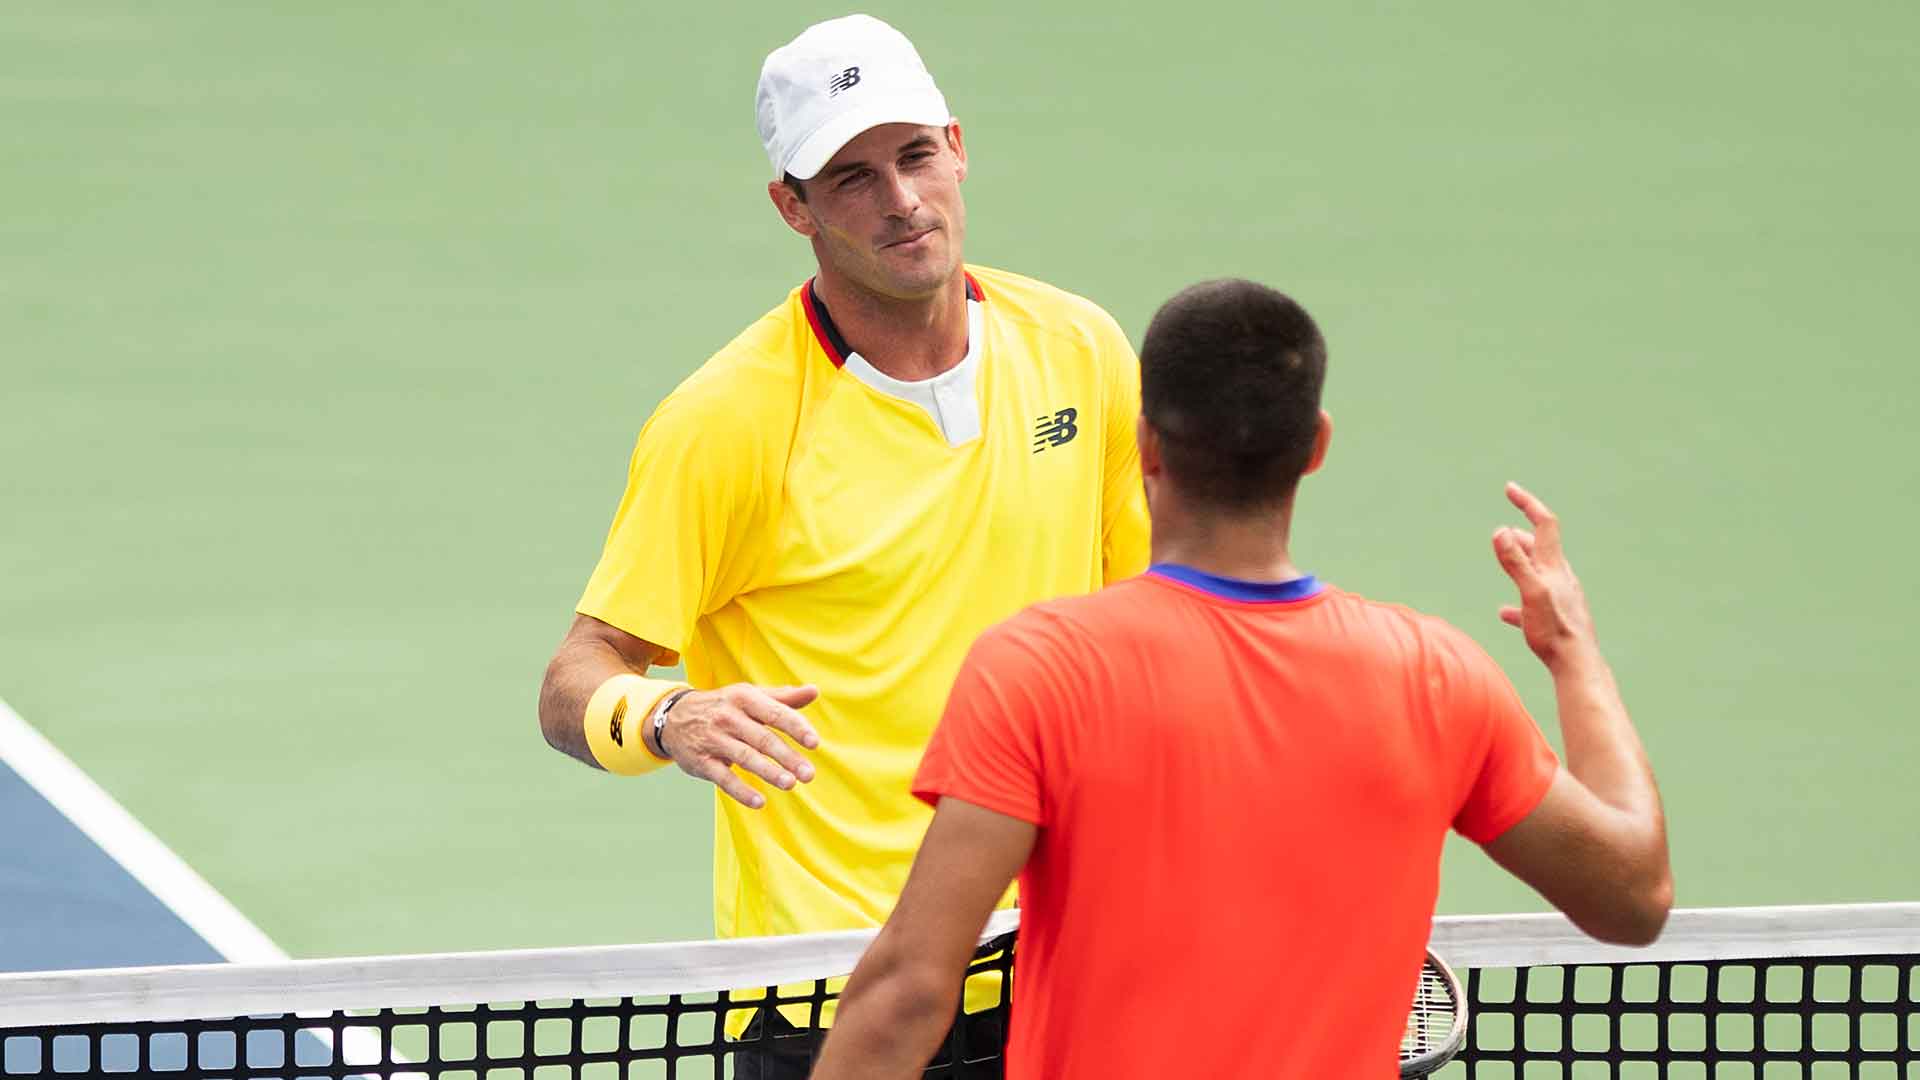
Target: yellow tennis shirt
(793,515)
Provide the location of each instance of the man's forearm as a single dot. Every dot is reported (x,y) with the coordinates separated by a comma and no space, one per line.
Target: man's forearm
(1605,755)
(906,988)
(577,670)
(890,1022)
(1603,749)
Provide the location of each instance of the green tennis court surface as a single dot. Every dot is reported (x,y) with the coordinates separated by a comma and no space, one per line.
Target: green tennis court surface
(325,332)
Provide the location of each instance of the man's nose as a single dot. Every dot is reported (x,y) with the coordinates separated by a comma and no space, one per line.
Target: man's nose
(901,197)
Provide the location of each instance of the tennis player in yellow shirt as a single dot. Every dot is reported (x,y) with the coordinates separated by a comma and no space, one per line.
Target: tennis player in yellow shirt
(903,452)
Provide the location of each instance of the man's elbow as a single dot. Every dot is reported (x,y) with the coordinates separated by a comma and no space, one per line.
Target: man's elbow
(1637,914)
(548,732)
(549,712)
(1651,906)
(900,995)
(924,992)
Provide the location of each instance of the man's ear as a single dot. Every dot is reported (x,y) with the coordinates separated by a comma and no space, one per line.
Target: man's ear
(1151,463)
(1321,440)
(958,145)
(797,215)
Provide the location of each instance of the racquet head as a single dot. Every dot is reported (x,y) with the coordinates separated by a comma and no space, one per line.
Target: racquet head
(1437,1024)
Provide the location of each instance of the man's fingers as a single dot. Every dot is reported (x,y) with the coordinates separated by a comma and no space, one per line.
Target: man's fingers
(794,697)
(759,764)
(758,741)
(716,772)
(763,708)
(791,722)
(780,750)
(1510,615)
(1546,526)
(1516,559)
(1525,501)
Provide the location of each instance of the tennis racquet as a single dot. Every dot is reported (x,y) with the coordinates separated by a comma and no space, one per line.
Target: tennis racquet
(1437,1026)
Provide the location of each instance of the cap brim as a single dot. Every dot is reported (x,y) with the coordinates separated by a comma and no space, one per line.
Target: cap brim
(928,108)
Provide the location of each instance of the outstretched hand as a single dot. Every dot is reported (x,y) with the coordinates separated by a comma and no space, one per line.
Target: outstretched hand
(708,732)
(1552,612)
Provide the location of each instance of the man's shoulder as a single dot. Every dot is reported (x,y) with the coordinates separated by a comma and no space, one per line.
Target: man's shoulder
(756,378)
(1088,619)
(1042,306)
(1055,644)
(1418,633)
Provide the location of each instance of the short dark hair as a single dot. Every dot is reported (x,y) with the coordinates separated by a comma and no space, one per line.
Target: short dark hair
(1230,378)
(794,182)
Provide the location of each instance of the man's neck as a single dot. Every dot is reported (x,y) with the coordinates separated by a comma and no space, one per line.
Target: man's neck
(1250,548)
(909,340)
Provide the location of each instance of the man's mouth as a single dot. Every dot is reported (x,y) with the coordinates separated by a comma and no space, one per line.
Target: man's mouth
(910,237)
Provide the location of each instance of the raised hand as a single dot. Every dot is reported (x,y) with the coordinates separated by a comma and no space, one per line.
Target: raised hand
(1552,612)
(708,732)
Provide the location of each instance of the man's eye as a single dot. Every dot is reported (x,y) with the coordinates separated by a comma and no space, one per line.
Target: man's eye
(853,177)
(919,157)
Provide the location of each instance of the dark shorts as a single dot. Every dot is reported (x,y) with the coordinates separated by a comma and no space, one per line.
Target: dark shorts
(971,1050)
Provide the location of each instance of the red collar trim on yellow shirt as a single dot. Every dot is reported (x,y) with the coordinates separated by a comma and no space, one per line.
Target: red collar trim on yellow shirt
(829,335)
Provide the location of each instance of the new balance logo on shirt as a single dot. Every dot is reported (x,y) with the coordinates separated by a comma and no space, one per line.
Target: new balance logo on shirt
(1056,430)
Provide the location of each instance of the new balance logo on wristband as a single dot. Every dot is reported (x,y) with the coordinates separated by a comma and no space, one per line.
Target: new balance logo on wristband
(619,715)
(1056,430)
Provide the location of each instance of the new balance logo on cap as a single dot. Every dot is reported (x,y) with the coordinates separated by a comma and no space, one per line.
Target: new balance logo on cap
(846,80)
(801,106)
(1056,430)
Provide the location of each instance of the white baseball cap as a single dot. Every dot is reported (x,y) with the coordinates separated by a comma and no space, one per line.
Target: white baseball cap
(834,81)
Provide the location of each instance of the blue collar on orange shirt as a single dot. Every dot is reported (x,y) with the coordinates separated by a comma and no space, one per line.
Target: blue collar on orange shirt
(1251,592)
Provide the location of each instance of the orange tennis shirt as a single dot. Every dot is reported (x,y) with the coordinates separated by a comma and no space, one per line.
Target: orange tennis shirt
(1242,790)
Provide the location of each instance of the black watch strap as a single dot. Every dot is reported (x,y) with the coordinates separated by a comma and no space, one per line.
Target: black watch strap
(660,720)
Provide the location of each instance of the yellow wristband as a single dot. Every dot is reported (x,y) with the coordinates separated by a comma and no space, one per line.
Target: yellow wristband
(616,722)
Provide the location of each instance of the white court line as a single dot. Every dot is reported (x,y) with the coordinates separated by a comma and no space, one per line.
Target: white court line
(151,862)
(142,854)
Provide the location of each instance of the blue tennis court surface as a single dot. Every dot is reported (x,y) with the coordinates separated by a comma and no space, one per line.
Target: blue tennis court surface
(75,892)
(69,904)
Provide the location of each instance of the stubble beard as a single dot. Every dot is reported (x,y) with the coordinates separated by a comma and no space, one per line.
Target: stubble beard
(924,276)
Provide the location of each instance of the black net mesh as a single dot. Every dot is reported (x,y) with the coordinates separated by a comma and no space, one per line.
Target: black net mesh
(1856,1016)
(1769,1018)
(682,1037)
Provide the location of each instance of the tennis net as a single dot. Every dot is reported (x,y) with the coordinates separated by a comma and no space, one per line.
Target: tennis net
(1738,992)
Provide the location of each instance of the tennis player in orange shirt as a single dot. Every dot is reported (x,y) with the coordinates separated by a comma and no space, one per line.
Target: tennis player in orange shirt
(1225,785)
